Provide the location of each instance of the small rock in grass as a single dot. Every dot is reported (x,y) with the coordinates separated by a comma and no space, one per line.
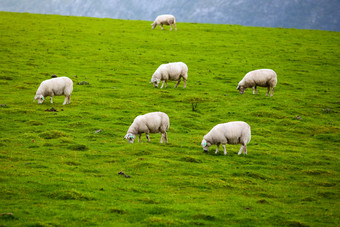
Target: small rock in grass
(98,131)
(298,117)
(121,173)
(83,83)
(127,176)
(327,110)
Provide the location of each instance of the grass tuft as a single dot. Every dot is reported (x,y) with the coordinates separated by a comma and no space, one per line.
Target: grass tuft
(78,147)
(53,134)
(69,195)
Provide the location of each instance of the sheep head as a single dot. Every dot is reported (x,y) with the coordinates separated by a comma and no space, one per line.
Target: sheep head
(241,89)
(155,82)
(153,25)
(40,98)
(205,144)
(130,137)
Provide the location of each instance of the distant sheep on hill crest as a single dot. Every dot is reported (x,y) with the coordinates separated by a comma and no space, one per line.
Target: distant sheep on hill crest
(165,20)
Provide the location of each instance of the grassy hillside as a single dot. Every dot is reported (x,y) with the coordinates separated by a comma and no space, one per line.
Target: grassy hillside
(56,171)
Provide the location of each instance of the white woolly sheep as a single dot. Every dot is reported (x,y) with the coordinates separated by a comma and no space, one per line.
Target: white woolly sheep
(54,87)
(172,71)
(154,122)
(260,77)
(234,132)
(166,20)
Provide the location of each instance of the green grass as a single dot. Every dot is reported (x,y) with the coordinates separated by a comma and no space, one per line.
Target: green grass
(56,171)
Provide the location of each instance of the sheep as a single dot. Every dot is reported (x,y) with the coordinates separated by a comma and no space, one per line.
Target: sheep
(166,20)
(54,87)
(172,71)
(234,132)
(154,122)
(260,77)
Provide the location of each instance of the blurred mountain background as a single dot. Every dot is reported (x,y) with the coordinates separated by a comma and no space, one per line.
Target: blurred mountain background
(302,14)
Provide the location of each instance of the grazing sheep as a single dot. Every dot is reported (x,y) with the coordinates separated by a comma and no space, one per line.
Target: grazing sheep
(260,77)
(234,132)
(171,71)
(166,20)
(55,87)
(154,122)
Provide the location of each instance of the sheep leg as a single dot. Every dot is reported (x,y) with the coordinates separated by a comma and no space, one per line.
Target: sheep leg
(166,84)
(271,95)
(185,83)
(139,137)
(163,84)
(161,138)
(161,26)
(178,82)
(268,91)
(147,136)
(218,146)
(224,149)
(254,90)
(51,98)
(240,152)
(69,99)
(66,100)
(166,137)
(245,149)
(170,27)
(175,27)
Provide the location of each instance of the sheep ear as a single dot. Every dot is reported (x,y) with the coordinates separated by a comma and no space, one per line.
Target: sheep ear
(237,87)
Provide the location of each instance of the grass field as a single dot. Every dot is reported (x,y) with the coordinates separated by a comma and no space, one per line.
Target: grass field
(55,170)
